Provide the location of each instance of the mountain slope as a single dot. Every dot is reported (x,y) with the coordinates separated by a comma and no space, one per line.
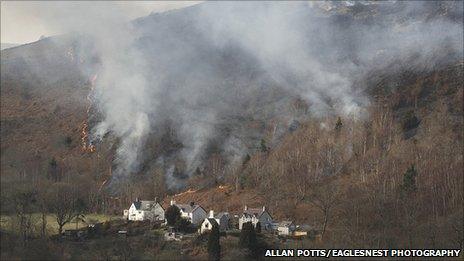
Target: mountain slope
(218,98)
(7,45)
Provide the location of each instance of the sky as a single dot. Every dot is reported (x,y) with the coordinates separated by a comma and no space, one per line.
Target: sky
(26,21)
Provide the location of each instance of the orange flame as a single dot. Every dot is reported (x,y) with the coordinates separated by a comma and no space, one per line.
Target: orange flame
(106,180)
(84,137)
(92,81)
(185,192)
(103,184)
(86,146)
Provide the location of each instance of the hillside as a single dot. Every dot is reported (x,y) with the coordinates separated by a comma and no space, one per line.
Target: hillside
(43,109)
(7,45)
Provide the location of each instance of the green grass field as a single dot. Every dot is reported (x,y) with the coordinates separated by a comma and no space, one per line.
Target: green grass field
(8,223)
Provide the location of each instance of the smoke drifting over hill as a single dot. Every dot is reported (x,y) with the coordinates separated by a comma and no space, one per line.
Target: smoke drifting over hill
(202,67)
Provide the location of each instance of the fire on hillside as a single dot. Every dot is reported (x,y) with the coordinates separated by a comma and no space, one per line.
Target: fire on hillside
(87,145)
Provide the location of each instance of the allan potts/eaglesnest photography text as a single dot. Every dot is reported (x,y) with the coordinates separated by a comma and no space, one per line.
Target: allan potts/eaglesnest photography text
(328,253)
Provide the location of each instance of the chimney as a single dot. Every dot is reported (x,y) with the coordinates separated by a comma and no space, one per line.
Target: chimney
(156,199)
(173,202)
(264,208)
(136,199)
(211,213)
(245,208)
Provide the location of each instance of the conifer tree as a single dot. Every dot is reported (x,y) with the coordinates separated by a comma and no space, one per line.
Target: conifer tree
(214,246)
(248,238)
(409,180)
(245,234)
(338,124)
(263,146)
(246,159)
(258,227)
(172,214)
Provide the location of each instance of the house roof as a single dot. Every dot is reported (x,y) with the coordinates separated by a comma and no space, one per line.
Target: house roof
(285,223)
(254,212)
(188,208)
(213,221)
(221,214)
(145,204)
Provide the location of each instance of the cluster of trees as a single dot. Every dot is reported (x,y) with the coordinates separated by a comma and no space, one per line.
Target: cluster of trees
(214,245)
(174,219)
(29,206)
(248,241)
(370,184)
(362,179)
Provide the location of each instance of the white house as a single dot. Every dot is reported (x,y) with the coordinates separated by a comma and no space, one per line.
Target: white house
(192,212)
(141,210)
(255,215)
(208,224)
(285,228)
(221,220)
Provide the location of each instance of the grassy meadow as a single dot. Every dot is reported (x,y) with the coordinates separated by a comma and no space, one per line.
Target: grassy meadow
(10,223)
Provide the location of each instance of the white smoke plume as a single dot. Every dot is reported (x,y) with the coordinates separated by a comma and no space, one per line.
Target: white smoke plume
(122,91)
(209,66)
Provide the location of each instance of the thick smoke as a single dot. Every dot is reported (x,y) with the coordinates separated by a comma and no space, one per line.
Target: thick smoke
(211,69)
(294,46)
(124,99)
(283,38)
(305,52)
(122,92)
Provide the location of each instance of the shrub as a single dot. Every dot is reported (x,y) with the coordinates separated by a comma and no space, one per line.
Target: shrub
(182,225)
(68,141)
(172,215)
(214,247)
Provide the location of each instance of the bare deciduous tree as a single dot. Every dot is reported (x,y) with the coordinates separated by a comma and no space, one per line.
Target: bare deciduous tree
(325,198)
(65,204)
